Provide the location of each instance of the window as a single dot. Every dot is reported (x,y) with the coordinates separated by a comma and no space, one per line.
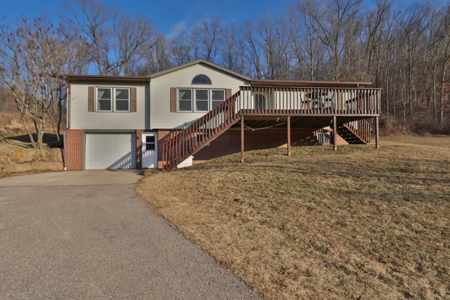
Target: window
(119,96)
(122,99)
(104,97)
(218,96)
(204,99)
(150,142)
(201,79)
(185,100)
(201,100)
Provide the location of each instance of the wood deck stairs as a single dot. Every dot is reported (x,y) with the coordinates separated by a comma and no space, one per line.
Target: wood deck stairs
(179,145)
(350,133)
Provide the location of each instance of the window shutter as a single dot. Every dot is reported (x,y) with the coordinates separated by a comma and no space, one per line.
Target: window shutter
(173,99)
(91,98)
(227,93)
(133,105)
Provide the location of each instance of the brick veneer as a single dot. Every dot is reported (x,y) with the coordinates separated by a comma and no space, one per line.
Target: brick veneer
(230,141)
(138,149)
(74,149)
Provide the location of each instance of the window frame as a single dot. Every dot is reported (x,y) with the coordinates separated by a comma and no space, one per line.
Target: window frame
(113,99)
(179,99)
(97,100)
(146,144)
(200,83)
(224,97)
(194,99)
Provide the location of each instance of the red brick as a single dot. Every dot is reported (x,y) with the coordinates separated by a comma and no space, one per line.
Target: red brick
(74,149)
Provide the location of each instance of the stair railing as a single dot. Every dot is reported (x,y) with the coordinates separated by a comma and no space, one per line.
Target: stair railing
(181,144)
(361,129)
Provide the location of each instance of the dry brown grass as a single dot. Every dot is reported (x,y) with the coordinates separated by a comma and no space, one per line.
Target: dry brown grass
(358,223)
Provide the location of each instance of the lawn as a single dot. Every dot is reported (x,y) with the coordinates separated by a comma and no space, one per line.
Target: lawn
(358,223)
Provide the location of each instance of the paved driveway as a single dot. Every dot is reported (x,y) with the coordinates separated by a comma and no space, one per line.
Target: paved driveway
(98,241)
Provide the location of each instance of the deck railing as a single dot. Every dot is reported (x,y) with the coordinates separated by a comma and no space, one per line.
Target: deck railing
(266,101)
(308,101)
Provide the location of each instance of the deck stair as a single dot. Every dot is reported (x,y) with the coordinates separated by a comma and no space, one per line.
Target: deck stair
(356,132)
(180,145)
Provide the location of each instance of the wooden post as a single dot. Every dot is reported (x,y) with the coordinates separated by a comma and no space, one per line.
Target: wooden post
(242,139)
(334,134)
(377,133)
(288,135)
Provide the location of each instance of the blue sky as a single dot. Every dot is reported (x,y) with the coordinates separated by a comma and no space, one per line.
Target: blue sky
(166,14)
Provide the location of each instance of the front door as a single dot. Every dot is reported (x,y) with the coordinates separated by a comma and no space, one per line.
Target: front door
(149,150)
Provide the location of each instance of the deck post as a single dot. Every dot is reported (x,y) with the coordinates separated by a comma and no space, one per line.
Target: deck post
(377,133)
(242,139)
(334,134)
(288,135)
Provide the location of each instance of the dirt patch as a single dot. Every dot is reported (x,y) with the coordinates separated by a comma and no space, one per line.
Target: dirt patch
(358,223)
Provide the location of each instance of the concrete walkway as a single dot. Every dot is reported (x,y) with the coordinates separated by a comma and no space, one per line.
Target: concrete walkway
(98,241)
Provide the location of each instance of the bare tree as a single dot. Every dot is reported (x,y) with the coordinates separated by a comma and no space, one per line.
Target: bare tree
(156,58)
(118,42)
(206,37)
(32,57)
(90,19)
(133,38)
(232,54)
(180,47)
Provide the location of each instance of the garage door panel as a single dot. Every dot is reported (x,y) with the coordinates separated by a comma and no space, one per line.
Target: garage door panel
(110,151)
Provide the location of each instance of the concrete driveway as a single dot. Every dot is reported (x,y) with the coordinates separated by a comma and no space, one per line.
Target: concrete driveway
(86,235)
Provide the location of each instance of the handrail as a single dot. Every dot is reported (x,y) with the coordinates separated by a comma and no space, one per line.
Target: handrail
(182,144)
(361,128)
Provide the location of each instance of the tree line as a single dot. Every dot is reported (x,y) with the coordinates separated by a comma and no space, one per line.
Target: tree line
(402,48)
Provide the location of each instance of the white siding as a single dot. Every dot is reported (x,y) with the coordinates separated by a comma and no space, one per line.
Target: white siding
(81,118)
(161,117)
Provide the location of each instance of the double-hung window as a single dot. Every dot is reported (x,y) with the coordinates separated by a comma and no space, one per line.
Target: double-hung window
(104,97)
(199,100)
(218,96)
(113,99)
(122,99)
(185,100)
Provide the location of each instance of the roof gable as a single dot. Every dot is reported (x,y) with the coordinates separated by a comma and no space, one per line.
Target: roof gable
(201,62)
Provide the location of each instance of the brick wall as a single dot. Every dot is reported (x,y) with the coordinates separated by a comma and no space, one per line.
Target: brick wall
(138,149)
(230,141)
(74,149)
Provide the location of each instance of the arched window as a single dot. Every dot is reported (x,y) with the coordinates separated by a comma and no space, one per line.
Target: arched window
(259,101)
(201,79)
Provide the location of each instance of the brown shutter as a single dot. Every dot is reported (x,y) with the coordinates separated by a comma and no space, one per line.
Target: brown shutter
(91,98)
(173,99)
(133,106)
(227,93)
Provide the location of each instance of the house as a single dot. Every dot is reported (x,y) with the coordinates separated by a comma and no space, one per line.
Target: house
(200,110)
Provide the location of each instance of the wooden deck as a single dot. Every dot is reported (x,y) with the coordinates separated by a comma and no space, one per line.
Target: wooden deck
(286,107)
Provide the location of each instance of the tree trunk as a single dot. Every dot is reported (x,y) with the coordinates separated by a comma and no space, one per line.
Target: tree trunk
(442,92)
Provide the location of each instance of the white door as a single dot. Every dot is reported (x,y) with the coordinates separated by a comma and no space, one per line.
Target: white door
(110,151)
(149,150)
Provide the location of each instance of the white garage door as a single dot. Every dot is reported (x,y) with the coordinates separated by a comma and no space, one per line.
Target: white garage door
(110,151)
